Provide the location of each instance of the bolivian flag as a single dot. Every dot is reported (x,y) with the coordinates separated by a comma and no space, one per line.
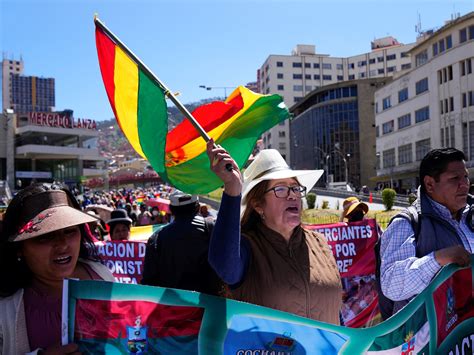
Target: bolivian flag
(179,156)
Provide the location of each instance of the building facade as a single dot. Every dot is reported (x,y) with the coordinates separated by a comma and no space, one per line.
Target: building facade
(333,127)
(39,144)
(296,75)
(430,106)
(23,93)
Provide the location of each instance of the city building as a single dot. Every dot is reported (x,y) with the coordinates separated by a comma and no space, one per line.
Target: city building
(296,75)
(22,93)
(430,106)
(333,128)
(39,144)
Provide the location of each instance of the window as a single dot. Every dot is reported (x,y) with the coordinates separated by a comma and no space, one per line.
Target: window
(373,73)
(351,77)
(387,127)
(403,55)
(281,134)
(297,76)
(327,66)
(403,95)
(297,87)
(280,87)
(372,61)
(307,65)
(339,66)
(441,46)
(317,77)
(421,58)
(379,59)
(465,66)
(406,66)
(350,66)
(308,88)
(405,154)
(316,65)
(391,57)
(362,63)
(282,145)
(297,65)
(362,75)
(391,69)
(435,49)
(463,35)
(377,131)
(421,86)
(422,114)
(307,76)
(389,158)
(404,121)
(422,148)
(327,77)
(451,104)
(468,99)
(449,42)
(280,64)
(386,103)
(279,75)
(381,71)
(340,77)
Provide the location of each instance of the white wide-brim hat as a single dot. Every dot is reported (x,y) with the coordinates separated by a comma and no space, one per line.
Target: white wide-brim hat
(270,165)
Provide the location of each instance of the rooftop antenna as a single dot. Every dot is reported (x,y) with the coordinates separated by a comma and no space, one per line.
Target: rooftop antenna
(418,25)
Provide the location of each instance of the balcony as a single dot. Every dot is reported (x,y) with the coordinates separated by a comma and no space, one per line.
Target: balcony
(40,151)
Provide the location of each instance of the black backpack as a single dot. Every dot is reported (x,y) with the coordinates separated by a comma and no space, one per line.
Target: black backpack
(386,304)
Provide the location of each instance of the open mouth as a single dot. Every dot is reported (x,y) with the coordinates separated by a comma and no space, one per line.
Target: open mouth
(63,260)
(292,209)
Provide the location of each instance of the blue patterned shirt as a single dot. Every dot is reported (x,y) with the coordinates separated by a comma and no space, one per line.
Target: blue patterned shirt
(403,275)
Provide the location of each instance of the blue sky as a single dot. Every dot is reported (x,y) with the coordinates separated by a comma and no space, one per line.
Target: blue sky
(189,43)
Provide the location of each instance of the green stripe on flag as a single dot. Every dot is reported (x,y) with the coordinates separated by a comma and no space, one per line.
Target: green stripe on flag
(152,122)
(400,335)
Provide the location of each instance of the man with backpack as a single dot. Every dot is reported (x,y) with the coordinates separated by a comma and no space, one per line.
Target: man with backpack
(176,255)
(435,231)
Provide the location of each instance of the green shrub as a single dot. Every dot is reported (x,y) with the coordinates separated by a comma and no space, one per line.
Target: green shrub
(325,205)
(388,198)
(311,199)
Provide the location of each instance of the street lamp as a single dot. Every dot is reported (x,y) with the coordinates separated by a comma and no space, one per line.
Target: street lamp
(325,166)
(205,87)
(346,170)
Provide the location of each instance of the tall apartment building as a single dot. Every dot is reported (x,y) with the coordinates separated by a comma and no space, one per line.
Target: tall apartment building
(294,76)
(430,106)
(23,93)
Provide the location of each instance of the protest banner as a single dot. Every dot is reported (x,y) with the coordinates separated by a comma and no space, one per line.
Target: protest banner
(113,318)
(125,258)
(353,247)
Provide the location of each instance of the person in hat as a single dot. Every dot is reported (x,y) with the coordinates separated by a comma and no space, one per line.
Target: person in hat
(353,210)
(119,225)
(268,258)
(43,241)
(177,255)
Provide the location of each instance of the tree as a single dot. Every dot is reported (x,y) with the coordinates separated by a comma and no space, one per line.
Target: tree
(388,198)
(311,199)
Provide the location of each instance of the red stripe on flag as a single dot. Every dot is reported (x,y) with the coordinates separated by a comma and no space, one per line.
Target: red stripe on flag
(106,54)
(105,319)
(209,117)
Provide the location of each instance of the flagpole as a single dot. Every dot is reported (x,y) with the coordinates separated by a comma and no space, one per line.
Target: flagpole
(152,76)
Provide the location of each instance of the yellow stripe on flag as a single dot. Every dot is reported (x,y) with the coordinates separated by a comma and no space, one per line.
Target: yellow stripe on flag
(126,97)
